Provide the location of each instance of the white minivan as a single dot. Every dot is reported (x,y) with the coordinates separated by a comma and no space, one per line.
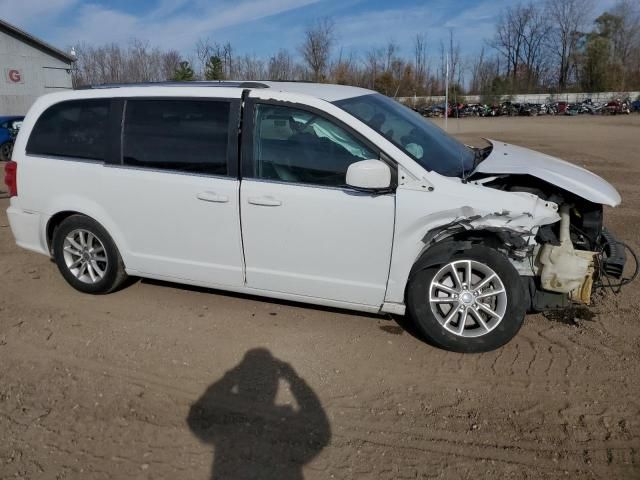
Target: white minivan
(325,194)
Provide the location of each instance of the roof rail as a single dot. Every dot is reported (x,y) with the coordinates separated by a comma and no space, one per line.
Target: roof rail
(199,83)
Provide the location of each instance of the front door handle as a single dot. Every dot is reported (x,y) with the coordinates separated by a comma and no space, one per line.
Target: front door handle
(212,197)
(265,201)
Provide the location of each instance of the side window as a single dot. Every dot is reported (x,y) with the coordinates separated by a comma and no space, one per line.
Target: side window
(295,145)
(77,128)
(184,135)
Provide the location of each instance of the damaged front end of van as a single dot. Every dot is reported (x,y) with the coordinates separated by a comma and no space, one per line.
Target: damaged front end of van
(544,214)
(576,253)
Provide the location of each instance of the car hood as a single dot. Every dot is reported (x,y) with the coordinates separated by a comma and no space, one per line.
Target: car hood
(511,159)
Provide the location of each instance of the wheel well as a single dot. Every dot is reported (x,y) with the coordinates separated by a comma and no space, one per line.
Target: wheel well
(54,222)
(459,240)
(487,237)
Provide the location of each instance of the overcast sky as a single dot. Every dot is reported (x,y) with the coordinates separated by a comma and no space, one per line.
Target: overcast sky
(257,27)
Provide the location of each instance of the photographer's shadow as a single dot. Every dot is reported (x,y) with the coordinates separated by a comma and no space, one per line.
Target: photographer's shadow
(253,437)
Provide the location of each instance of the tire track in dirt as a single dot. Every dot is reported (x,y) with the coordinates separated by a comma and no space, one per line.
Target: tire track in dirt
(382,434)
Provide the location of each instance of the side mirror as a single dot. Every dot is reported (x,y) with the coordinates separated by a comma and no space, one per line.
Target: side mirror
(369,174)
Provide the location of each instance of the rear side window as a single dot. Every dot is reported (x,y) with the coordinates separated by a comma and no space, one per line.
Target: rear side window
(184,135)
(76,128)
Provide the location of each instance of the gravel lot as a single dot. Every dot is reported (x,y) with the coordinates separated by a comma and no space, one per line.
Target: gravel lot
(165,381)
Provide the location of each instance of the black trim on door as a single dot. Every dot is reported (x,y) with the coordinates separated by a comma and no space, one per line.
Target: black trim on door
(233,148)
(248,132)
(114,137)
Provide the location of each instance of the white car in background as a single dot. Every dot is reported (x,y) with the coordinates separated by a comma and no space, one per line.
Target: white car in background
(325,194)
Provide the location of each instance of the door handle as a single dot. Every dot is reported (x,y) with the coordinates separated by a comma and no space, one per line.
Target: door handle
(265,201)
(212,197)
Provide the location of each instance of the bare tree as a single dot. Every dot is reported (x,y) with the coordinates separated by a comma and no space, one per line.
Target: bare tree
(454,60)
(204,50)
(344,70)
(316,48)
(227,59)
(535,47)
(420,60)
(138,62)
(534,54)
(169,64)
(477,68)
(391,50)
(569,18)
(374,65)
(281,66)
(250,67)
(450,59)
(509,39)
(625,40)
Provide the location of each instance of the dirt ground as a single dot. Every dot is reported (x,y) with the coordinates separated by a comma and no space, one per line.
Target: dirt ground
(165,381)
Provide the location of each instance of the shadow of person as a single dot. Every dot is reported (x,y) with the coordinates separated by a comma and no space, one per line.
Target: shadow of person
(253,437)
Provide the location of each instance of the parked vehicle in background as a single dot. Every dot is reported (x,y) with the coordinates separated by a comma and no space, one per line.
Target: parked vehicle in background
(591,108)
(328,194)
(561,107)
(434,110)
(484,110)
(617,107)
(572,109)
(9,126)
(508,108)
(527,110)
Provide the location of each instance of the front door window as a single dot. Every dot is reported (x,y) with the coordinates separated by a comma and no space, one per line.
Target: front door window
(294,145)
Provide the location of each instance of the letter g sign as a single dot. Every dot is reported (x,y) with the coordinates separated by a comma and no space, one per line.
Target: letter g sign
(14,76)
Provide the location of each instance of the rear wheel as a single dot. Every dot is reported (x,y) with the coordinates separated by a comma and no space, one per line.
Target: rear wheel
(469,300)
(86,256)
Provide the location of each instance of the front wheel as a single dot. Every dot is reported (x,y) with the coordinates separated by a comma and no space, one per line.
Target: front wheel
(466,300)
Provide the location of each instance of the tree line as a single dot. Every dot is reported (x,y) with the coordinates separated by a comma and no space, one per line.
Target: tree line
(537,47)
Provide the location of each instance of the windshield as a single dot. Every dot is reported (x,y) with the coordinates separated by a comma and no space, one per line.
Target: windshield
(426,143)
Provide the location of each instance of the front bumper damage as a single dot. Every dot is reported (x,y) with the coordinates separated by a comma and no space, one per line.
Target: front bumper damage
(563,269)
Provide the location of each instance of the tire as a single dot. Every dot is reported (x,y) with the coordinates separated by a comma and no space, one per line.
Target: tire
(5,151)
(86,256)
(441,320)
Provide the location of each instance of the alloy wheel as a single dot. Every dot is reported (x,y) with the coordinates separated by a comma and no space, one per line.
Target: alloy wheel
(85,256)
(467,298)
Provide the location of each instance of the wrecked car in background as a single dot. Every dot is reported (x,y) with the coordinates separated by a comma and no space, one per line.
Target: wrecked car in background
(325,194)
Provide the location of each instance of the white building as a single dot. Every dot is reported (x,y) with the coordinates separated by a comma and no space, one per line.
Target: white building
(29,68)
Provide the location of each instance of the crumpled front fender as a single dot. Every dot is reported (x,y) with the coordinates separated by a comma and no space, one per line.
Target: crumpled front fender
(423,218)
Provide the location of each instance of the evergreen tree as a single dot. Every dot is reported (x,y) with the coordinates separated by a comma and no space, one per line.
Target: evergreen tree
(184,73)
(213,69)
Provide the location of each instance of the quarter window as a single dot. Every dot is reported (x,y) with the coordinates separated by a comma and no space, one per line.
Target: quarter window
(76,129)
(298,146)
(184,135)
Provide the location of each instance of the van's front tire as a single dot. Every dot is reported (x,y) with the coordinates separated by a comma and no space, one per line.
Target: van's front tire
(86,256)
(466,299)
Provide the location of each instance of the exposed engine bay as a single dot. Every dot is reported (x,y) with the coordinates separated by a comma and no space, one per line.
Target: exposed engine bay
(572,258)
